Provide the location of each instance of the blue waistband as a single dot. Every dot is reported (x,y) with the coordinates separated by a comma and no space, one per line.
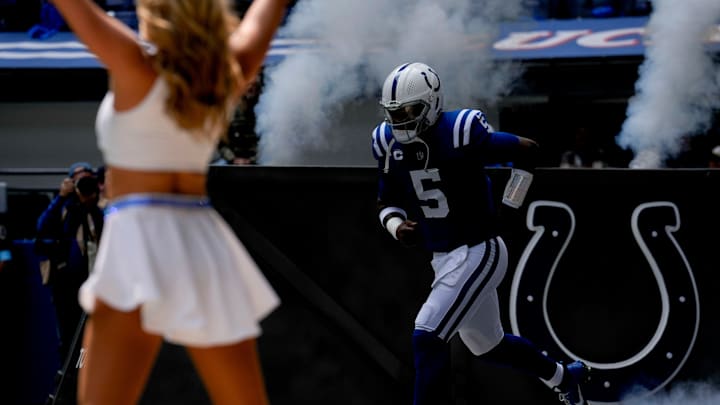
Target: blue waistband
(163,200)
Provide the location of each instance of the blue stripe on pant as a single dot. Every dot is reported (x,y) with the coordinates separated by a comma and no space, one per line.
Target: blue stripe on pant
(471,289)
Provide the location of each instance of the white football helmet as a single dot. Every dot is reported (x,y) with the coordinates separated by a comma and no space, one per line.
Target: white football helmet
(412,100)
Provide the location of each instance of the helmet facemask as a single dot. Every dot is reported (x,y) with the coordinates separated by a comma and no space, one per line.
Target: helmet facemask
(412,100)
(407,120)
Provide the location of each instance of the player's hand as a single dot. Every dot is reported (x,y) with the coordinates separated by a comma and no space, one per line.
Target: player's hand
(528,155)
(528,143)
(407,232)
(67,187)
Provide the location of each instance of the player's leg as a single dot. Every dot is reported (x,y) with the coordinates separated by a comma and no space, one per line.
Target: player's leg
(482,332)
(231,374)
(460,276)
(431,351)
(432,369)
(119,358)
(483,335)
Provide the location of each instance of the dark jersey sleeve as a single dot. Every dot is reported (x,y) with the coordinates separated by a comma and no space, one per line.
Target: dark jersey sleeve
(492,147)
(502,147)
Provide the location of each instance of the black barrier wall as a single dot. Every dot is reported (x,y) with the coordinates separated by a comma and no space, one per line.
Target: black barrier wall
(617,267)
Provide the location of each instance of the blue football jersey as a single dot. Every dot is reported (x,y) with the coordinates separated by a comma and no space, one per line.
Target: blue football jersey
(440,180)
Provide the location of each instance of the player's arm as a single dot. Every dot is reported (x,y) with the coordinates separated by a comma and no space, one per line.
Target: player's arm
(390,212)
(394,220)
(521,151)
(495,147)
(111,41)
(251,39)
(390,199)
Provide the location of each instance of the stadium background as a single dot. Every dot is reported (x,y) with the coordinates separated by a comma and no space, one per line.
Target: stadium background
(350,294)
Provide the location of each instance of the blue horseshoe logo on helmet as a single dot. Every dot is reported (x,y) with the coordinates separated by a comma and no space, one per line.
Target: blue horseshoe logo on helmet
(664,353)
(428,81)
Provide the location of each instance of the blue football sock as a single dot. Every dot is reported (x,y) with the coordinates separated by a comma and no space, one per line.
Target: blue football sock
(520,354)
(432,369)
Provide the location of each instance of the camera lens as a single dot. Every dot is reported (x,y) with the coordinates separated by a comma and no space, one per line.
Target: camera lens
(87,186)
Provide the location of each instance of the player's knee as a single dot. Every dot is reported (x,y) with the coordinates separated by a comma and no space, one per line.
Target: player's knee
(424,318)
(481,343)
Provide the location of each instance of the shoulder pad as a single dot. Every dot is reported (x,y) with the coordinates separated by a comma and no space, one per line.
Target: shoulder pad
(466,122)
(381,138)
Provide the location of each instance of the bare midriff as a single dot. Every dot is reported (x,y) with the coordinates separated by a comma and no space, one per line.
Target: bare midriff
(120,182)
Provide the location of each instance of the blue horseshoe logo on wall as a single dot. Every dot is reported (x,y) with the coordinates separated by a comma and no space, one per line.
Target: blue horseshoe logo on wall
(665,352)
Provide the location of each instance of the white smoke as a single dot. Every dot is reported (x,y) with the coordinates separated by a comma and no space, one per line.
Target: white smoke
(679,86)
(308,97)
(684,394)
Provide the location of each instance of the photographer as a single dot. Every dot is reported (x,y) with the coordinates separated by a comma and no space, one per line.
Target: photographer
(68,232)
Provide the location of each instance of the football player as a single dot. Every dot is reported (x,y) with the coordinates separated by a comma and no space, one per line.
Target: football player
(434,190)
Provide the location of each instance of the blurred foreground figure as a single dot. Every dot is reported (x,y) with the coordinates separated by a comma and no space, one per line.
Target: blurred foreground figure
(168,266)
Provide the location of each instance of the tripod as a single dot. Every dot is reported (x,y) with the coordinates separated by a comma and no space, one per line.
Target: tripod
(73,361)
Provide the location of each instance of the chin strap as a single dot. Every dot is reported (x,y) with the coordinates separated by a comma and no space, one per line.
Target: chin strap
(387,156)
(427,149)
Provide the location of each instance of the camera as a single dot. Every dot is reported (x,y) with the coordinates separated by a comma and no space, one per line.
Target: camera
(87,186)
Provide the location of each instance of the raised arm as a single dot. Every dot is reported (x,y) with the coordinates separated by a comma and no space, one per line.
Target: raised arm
(111,41)
(251,40)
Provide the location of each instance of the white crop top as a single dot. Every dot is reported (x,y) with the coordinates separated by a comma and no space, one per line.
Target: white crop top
(147,138)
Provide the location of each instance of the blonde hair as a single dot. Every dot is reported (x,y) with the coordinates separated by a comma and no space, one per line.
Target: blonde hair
(191,38)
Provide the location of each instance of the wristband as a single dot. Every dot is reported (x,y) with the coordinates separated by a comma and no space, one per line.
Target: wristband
(387,211)
(516,188)
(393,224)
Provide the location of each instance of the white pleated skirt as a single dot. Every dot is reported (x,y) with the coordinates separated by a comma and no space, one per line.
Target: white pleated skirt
(177,260)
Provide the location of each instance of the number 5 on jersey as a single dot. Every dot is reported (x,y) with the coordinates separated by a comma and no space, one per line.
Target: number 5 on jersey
(433,201)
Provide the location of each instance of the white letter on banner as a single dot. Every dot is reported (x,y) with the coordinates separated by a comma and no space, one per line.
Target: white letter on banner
(607,39)
(523,41)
